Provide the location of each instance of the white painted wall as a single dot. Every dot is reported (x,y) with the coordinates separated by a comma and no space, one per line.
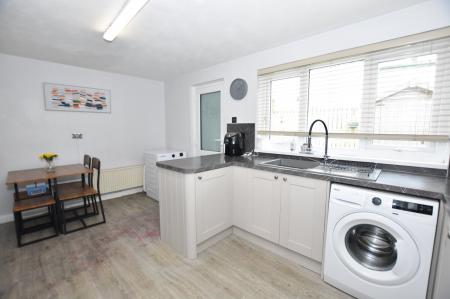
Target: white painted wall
(26,129)
(415,19)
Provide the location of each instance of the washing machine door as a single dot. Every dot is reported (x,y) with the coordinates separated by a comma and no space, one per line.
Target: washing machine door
(376,248)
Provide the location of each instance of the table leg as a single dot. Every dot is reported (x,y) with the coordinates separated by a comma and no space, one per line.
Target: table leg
(16,191)
(17,216)
(49,186)
(59,211)
(83,184)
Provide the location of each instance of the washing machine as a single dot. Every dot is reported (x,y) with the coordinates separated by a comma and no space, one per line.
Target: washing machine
(151,178)
(379,244)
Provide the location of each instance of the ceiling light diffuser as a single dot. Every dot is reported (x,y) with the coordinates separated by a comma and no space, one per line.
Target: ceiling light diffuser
(131,8)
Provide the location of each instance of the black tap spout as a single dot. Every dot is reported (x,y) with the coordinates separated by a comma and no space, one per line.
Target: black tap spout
(326,137)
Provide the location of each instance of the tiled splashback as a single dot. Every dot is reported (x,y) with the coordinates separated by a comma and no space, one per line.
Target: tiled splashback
(249,130)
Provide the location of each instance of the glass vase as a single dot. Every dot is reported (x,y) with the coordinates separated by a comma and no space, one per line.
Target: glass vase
(50,166)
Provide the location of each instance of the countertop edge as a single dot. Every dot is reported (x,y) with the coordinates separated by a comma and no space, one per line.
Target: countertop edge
(190,170)
(333,179)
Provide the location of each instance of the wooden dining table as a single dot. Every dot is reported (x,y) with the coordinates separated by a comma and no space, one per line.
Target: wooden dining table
(28,176)
(24,176)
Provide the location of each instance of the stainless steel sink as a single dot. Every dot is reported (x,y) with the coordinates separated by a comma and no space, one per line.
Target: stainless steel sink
(292,163)
(364,172)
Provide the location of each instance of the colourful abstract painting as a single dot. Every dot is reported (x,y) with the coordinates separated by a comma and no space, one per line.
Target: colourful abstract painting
(76,98)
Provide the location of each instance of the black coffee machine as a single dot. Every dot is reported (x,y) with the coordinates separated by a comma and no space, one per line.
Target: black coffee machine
(234,143)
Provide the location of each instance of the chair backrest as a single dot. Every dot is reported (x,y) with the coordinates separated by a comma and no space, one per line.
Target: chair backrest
(87,161)
(95,165)
(87,164)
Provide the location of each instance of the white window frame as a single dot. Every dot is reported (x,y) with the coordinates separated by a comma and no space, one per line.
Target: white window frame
(368,144)
(438,141)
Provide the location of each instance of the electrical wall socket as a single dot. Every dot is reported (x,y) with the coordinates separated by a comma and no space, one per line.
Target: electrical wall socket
(77,136)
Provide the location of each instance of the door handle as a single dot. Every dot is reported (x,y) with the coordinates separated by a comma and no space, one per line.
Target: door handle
(275,177)
(285,179)
(199,177)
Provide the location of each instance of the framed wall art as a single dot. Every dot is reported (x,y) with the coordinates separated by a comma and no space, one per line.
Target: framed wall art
(61,97)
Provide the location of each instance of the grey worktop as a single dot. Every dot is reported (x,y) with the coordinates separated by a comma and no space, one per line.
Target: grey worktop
(434,187)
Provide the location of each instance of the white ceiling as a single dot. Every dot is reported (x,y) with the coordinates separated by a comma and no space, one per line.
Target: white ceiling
(170,37)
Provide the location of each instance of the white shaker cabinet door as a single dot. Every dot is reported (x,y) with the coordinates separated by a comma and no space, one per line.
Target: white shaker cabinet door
(214,199)
(302,218)
(265,205)
(242,204)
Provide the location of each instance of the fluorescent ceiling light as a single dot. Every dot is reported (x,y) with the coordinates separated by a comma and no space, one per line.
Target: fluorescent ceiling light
(131,8)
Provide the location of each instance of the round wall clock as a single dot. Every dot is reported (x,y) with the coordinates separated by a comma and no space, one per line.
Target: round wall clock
(238,89)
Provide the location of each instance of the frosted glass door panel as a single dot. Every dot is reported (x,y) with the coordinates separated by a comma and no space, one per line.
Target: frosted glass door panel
(210,121)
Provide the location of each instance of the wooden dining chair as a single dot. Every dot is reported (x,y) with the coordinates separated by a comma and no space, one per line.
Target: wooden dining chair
(23,203)
(73,186)
(77,191)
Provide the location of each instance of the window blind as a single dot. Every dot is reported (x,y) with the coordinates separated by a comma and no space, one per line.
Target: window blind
(402,91)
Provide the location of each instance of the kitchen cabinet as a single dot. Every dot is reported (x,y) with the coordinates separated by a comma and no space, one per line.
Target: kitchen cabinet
(214,199)
(302,215)
(442,286)
(241,198)
(285,210)
(264,205)
(288,210)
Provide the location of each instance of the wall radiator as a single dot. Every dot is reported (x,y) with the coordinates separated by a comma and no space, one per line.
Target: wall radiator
(121,178)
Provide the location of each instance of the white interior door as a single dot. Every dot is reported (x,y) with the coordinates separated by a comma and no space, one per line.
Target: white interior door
(208,129)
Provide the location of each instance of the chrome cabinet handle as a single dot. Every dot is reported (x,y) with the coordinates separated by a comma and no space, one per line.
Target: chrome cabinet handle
(275,177)
(199,177)
(285,179)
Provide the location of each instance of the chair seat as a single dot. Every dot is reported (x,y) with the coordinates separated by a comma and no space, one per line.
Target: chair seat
(74,190)
(33,203)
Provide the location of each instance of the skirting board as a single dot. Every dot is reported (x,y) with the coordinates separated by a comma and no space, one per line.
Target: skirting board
(278,250)
(122,193)
(214,240)
(9,217)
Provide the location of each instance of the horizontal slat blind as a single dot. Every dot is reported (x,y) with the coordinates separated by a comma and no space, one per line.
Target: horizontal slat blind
(399,91)
(439,138)
(265,100)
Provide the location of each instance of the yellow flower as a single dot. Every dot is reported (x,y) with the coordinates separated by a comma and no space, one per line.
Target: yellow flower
(49,156)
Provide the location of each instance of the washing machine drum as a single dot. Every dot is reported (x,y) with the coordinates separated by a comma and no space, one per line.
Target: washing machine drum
(372,246)
(376,248)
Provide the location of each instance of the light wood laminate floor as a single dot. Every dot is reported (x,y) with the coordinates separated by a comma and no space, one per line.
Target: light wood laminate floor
(124,258)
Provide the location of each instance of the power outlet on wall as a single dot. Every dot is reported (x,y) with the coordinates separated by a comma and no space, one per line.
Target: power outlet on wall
(77,136)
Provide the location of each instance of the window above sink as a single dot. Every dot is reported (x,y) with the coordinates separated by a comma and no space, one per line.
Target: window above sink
(387,105)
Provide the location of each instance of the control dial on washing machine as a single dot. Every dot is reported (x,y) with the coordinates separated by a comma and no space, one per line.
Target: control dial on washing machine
(376,201)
